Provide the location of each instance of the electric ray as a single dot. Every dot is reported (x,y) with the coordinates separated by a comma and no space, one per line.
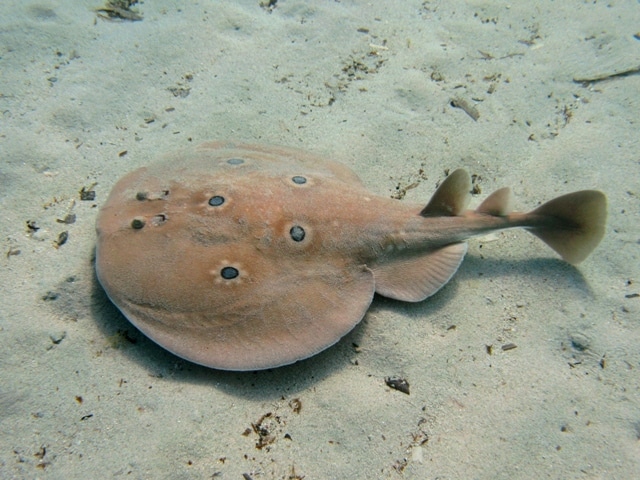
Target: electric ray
(245,257)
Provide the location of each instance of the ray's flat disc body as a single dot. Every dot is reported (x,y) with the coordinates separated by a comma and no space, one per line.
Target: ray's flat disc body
(238,257)
(245,257)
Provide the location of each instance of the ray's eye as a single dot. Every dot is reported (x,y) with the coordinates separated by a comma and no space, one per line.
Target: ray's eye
(235,161)
(216,201)
(159,219)
(299,180)
(229,273)
(297,233)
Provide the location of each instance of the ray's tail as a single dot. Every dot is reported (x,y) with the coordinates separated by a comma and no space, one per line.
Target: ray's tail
(573,224)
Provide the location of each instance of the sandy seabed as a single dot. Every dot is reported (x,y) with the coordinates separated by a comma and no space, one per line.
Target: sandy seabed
(541,96)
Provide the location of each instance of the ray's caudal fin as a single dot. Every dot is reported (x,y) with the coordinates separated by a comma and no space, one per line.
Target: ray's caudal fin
(573,224)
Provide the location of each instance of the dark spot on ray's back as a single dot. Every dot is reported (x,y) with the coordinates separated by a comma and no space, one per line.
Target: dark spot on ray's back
(229,273)
(137,223)
(298,179)
(235,161)
(216,201)
(297,233)
(142,196)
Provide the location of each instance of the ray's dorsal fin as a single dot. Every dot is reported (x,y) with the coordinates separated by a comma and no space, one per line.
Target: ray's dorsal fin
(573,224)
(451,197)
(414,278)
(498,204)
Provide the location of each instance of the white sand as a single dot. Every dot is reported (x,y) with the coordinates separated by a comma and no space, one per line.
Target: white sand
(80,400)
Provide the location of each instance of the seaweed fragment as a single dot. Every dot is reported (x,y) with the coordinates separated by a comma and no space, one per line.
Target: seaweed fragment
(398,383)
(119,10)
